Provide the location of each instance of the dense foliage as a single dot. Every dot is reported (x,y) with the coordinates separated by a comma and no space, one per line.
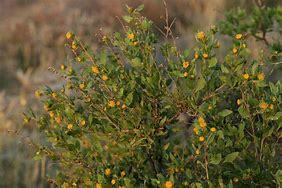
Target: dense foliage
(142,113)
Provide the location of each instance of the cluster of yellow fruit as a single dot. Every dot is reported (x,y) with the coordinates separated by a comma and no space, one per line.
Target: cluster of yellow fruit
(108,172)
(202,124)
(260,76)
(262,105)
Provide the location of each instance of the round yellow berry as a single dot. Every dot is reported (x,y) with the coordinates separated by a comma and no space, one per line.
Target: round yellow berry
(130,36)
(239,102)
(124,106)
(201,138)
(185,74)
(69,35)
(202,122)
(261,76)
(235,50)
(113,181)
(54,95)
(271,106)
(263,105)
(70,126)
(99,185)
(104,77)
(51,114)
(197,152)
(82,86)
(122,174)
(59,119)
(205,55)
(213,129)
(168,184)
(196,130)
(108,172)
(201,35)
(63,67)
(238,36)
(196,55)
(246,76)
(82,122)
(185,64)
(95,69)
(38,93)
(111,103)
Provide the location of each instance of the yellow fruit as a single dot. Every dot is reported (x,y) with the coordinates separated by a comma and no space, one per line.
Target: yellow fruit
(124,106)
(74,45)
(185,74)
(82,86)
(95,69)
(69,35)
(196,130)
(122,174)
(70,126)
(51,114)
(197,152)
(38,93)
(108,172)
(271,106)
(263,105)
(202,122)
(59,119)
(54,95)
(82,122)
(168,184)
(196,55)
(130,36)
(201,35)
(261,76)
(185,64)
(201,138)
(205,55)
(111,103)
(213,129)
(78,59)
(63,67)
(104,77)
(113,181)
(235,50)
(246,76)
(238,102)
(99,185)
(238,36)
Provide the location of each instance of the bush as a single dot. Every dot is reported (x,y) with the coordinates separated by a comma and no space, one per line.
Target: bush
(142,113)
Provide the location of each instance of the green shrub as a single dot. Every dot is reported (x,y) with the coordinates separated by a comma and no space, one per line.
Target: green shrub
(142,113)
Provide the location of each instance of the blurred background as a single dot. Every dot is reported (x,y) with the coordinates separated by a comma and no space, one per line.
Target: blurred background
(32,36)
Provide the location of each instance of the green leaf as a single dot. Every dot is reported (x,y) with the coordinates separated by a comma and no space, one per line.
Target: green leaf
(200,84)
(215,159)
(224,69)
(129,99)
(225,113)
(212,62)
(276,116)
(127,18)
(243,112)
(231,157)
(136,62)
(268,132)
(140,8)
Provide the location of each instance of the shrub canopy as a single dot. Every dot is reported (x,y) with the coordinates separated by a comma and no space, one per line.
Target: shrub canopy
(142,113)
